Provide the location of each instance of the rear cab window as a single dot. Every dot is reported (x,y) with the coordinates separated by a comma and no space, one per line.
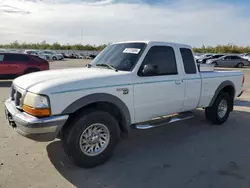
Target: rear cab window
(188,61)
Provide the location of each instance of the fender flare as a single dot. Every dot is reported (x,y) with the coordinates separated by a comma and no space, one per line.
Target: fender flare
(221,87)
(101,97)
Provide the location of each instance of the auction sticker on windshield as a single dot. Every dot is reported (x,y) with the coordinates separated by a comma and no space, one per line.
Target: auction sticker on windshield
(132,50)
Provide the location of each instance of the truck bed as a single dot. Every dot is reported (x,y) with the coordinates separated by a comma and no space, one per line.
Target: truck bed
(211,80)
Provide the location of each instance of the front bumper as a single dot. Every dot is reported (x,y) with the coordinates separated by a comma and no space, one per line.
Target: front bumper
(39,129)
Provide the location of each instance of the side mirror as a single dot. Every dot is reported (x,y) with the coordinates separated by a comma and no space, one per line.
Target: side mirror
(150,70)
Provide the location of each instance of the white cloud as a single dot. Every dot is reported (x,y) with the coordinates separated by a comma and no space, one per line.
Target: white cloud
(194,22)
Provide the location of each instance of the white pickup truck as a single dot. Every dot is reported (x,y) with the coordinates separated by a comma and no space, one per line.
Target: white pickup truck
(140,84)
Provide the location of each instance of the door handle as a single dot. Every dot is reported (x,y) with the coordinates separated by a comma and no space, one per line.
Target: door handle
(178,82)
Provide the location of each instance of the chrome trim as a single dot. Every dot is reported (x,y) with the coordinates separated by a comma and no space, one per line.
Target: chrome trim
(21,91)
(27,125)
(157,122)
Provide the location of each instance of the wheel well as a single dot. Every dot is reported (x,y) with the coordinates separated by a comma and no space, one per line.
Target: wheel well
(107,107)
(230,90)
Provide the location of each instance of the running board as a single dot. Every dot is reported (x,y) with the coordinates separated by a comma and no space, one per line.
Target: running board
(160,121)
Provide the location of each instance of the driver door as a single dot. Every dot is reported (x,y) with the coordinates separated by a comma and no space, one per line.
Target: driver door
(160,94)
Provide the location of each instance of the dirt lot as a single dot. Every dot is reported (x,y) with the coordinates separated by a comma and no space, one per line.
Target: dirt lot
(186,154)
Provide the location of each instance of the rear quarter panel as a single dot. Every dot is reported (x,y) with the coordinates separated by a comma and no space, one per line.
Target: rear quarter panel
(212,80)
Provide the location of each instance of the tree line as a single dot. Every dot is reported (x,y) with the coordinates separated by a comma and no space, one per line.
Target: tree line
(55,46)
(229,48)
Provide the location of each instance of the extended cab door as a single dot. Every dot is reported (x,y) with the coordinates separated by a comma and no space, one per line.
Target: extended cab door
(162,92)
(192,79)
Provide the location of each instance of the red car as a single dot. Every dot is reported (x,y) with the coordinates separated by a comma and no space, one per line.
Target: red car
(14,64)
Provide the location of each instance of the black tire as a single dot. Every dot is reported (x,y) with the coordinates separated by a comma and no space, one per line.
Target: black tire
(31,70)
(54,58)
(240,65)
(211,113)
(72,134)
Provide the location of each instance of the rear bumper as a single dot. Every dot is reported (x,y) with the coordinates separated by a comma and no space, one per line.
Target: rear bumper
(39,129)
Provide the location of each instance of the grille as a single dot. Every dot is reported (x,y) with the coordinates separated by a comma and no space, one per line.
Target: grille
(16,97)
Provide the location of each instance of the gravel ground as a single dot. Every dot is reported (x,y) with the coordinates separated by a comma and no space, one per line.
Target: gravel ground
(186,154)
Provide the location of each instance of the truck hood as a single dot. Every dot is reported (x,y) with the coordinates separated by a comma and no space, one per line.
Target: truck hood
(41,82)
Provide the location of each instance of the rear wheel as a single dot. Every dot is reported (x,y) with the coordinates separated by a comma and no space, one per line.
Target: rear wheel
(91,138)
(219,112)
(54,58)
(240,65)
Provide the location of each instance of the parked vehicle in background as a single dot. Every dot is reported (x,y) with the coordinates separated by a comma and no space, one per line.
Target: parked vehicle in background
(88,57)
(197,56)
(47,56)
(92,56)
(205,55)
(2,50)
(65,55)
(37,53)
(54,55)
(72,56)
(77,56)
(142,85)
(229,61)
(80,56)
(41,55)
(30,52)
(246,56)
(204,59)
(15,64)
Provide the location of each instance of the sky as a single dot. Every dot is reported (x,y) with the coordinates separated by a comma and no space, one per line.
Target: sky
(193,22)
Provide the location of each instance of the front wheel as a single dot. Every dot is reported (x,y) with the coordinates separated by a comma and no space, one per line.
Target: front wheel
(219,112)
(54,58)
(240,65)
(91,139)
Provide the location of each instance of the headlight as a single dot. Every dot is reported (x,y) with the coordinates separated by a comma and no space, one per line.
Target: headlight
(36,105)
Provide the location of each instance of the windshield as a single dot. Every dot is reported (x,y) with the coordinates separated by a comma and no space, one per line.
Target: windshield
(122,56)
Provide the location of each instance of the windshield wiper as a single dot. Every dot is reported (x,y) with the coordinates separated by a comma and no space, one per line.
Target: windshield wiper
(106,65)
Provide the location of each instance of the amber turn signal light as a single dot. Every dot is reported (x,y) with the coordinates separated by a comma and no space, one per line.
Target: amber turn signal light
(36,111)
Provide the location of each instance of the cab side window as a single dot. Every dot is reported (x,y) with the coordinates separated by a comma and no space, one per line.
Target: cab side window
(162,58)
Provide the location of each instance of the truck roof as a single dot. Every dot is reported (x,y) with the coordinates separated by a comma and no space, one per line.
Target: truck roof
(155,42)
